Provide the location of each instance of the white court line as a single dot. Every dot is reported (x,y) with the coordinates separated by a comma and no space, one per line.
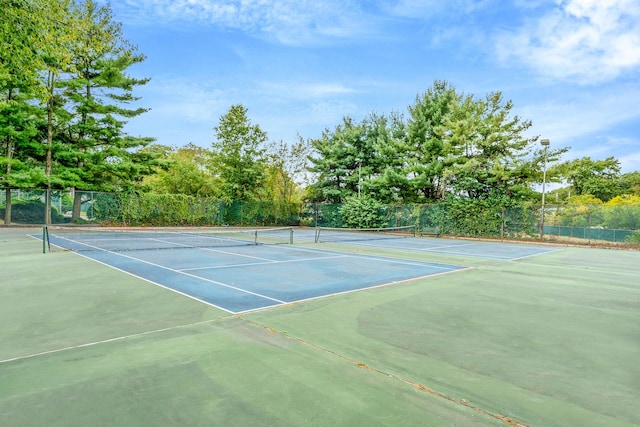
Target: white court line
(216,250)
(151,281)
(383,246)
(375,258)
(289,261)
(59,350)
(357,290)
(438,249)
(90,344)
(536,254)
(182,245)
(337,254)
(176,271)
(395,261)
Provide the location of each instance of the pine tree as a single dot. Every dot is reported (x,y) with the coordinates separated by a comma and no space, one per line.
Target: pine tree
(94,152)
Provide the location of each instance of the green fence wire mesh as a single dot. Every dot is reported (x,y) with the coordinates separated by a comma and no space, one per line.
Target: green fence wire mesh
(579,224)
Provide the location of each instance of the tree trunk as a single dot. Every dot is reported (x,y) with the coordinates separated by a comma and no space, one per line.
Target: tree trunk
(77,206)
(77,197)
(49,161)
(7,209)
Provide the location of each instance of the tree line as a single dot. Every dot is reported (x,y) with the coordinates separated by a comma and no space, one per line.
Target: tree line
(66,95)
(450,147)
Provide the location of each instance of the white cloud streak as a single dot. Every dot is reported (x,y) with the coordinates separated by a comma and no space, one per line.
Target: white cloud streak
(583,116)
(302,91)
(293,22)
(429,8)
(583,41)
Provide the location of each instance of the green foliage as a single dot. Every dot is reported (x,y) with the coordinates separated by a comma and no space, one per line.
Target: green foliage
(183,171)
(427,153)
(634,238)
(630,183)
(93,152)
(239,159)
(451,144)
(259,213)
(623,212)
(107,208)
(286,168)
(584,200)
(472,217)
(338,163)
(599,178)
(166,210)
(31,212)
(142,209)
(362,212)
(63,92)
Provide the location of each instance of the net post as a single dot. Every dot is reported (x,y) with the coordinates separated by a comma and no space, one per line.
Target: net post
(45,240)
(255,234)
(291,236)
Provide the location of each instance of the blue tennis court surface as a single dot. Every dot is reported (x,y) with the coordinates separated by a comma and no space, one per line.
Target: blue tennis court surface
(467,248)
(244,278)
(495,250)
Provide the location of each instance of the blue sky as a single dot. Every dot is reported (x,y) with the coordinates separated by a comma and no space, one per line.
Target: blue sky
(572,67)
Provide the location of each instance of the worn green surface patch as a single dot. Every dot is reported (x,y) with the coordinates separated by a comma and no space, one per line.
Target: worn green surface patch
(550,340)
(229,372)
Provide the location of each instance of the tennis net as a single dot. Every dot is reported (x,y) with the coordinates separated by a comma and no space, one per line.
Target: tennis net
(325,234)
(138,239)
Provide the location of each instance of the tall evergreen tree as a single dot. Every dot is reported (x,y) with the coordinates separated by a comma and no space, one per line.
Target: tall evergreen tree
(489,148)
(338,161)
(451,145)
(94,152)
(383,174)
(34,35)
(426,149)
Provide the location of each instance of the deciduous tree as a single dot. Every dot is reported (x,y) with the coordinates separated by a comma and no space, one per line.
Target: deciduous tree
(596,177)
(238,156)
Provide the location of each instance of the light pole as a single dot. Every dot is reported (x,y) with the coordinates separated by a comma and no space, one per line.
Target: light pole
(545,143)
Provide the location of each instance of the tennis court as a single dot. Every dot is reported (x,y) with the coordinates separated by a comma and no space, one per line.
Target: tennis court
(231,271)
(542,338)
(392,239)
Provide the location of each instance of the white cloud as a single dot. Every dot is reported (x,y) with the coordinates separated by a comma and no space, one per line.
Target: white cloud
(589,123)
(585,41)
(428,8)
(304,91)
(586,115)
(630,162)
(179,100)
(332,111)
(294,22)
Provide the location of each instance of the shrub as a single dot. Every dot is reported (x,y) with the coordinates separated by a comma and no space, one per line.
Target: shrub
(634,238)
(31,212)
(362,212)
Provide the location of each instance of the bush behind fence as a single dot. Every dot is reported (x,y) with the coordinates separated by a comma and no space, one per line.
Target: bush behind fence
(472,218)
